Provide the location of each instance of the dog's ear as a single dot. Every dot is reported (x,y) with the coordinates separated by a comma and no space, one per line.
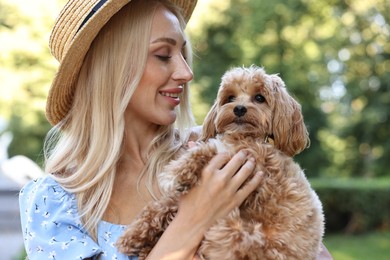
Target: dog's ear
(209,130)
(289,130)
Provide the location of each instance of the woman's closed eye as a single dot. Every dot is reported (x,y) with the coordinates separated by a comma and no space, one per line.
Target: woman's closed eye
(164,58)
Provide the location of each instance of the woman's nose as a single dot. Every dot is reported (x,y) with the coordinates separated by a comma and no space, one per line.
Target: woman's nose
(183,71)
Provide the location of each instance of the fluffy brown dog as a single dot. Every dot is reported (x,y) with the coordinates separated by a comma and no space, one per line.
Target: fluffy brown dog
(283,218)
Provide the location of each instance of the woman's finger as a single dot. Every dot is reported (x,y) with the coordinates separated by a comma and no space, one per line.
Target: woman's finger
(244,172)
(237,161)
(191,144)
(217,162)
(249,187)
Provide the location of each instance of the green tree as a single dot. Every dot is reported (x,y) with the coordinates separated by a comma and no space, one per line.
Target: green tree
(26,70)
(303,41)
(360,73)
(333,56)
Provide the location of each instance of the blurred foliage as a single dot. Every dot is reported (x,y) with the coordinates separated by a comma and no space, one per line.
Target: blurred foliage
(26,70)
(354,205)
(359,247)
(333,56)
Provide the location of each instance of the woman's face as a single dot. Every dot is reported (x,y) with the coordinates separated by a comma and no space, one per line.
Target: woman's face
(158,92)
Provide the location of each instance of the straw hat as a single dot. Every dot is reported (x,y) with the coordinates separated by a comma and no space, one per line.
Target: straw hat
(76,27)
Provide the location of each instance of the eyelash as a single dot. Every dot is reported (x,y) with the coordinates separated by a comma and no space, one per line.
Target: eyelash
(166,58)
(163,58)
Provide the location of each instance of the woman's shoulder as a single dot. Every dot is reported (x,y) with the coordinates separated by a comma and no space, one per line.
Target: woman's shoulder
(52,228)
(44,199)
(43,182)
(51,223)
(45,190)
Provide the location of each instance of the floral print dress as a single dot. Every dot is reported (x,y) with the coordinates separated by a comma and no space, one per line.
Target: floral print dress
(52,229)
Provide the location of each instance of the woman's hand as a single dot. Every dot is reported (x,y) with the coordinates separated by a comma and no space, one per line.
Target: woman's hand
(220,190)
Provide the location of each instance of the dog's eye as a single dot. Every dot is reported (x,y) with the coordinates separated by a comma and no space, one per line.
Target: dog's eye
(259,98)
(230,99)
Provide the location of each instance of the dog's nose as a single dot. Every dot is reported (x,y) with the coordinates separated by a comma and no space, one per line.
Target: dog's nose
(239,110)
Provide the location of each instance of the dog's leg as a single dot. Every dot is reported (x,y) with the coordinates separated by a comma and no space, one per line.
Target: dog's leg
(232,238)
(182,174)
(144,232)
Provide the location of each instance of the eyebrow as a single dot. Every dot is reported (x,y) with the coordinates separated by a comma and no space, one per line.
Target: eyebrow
(168,40)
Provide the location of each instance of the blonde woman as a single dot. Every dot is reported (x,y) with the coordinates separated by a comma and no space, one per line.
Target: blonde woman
(121,85)
(119,109)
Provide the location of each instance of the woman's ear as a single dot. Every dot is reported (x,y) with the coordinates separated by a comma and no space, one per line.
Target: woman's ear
(289,130)
(209,130)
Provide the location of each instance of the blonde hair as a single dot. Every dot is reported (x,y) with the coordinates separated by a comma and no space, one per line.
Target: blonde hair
(84,150)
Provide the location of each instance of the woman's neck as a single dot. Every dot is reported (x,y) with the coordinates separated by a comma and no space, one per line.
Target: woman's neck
(137,140)
(130,193)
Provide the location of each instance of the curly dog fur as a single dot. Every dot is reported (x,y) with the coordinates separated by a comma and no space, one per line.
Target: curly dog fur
(283,218)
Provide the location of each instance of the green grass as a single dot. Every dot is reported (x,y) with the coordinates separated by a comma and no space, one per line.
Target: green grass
(372,246)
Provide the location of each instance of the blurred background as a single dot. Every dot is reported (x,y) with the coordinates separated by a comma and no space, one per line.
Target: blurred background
(334,57)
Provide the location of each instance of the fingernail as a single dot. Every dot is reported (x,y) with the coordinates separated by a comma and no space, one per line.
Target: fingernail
(250,164)
(244,153)
(260,173)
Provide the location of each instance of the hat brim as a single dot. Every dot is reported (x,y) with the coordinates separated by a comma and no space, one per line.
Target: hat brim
(60,97)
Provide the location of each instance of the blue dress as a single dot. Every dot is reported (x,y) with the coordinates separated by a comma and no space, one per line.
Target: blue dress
(52,229)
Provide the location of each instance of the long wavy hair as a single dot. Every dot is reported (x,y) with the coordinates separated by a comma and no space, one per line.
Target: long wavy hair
(84,150)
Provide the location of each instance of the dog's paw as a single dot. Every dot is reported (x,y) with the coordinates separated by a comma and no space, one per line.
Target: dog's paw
(135,243)
(182,174)
(126,247)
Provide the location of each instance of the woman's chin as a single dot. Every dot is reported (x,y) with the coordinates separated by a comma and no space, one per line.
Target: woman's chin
(169,119)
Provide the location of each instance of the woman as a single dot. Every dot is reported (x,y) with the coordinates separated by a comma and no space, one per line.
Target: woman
(113,106)
(120,92)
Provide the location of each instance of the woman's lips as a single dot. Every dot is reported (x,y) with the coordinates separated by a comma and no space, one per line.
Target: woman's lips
(172,95)
(168,94)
